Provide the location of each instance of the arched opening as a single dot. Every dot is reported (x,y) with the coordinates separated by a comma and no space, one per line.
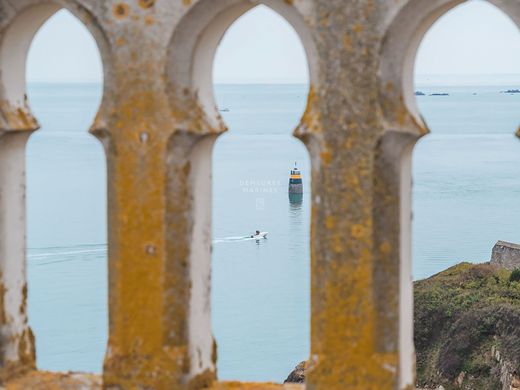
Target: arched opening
(473,125)
(464,194)
(260,286)
(66,198)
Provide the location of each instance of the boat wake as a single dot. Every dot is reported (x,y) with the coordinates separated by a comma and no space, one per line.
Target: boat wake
(43,256)
(64,253)
(236,239)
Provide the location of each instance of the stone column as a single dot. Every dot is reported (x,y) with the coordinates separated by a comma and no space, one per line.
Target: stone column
(356,217)
(17,354)
(159,194)
(18,24)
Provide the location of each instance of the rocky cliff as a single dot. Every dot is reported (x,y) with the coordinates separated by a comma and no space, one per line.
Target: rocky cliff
(467,329)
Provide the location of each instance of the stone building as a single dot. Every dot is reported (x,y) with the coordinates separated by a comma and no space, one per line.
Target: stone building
(506,255)
(158,123)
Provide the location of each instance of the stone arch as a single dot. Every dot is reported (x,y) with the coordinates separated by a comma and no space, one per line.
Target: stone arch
(401,42)
(200,32)
(191,53)
(19,26)
(403,126)
(19,31)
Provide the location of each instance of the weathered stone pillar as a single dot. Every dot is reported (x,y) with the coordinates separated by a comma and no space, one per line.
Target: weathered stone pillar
(358,284)
(18,24)
(159,233)
(17,354)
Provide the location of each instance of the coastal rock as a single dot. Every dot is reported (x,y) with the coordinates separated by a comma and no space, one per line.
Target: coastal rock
(460,379)
(467,333)
(298,374)
(506,255)
(509,376)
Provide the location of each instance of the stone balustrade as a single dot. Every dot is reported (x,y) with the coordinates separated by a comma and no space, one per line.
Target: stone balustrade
(158,122)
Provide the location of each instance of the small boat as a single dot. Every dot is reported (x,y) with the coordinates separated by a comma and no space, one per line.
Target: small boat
(259,235)
(225,110)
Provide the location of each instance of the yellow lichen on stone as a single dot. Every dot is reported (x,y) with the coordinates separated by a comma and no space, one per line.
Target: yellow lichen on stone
(358,231)
(16,118)
(43,380)
(326,157)
(121,10)
(347,42)
(146,3)
(310,122)
(329,222)
(255,386)
(385,247)
(357,28)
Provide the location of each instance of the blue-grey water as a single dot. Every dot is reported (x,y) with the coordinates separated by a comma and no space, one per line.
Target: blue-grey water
(465,191)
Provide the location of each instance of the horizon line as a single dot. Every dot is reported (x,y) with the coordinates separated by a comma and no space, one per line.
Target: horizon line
(418,79)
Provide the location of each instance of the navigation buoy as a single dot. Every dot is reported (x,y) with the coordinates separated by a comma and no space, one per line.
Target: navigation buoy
(295,185)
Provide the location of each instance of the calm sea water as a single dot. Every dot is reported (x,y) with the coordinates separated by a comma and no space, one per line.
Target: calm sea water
(465,198)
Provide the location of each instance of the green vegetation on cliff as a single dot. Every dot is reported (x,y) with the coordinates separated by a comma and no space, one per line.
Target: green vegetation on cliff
(467,328)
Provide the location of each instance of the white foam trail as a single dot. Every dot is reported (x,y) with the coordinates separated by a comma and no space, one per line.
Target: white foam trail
(234,239)
(52,254)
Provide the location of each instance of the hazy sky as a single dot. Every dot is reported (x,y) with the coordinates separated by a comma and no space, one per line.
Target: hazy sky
(474,38)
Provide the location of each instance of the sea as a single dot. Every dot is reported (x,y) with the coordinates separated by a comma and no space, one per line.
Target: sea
(465,198)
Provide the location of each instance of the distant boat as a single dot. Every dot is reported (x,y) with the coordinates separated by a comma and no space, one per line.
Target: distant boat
(259,235)
(225,110)
(511,91)
(419,93)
